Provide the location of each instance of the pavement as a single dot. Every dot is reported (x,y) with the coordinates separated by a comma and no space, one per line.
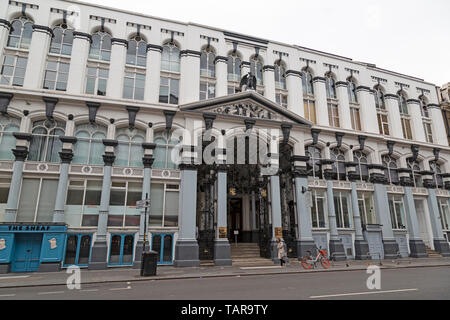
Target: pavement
(118,275)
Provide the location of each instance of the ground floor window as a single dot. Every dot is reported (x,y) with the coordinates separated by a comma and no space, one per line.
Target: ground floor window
(366,208)
(444,212)
(164,205)
(163,245)
(37,200)
(4,192)
(78,249)
(121,249)
(318,216)
(122,204)
(397,211)
(342,207)
(83,203)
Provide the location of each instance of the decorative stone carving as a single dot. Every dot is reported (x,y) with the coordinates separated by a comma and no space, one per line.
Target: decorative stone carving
(246,109)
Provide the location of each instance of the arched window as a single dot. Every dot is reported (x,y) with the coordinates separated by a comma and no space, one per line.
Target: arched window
(280,75)
(436,168)
(20,33)
(403,107)
(351,90)
(426,119)
(207,65)
(308,97)
(8,125)
(314,165)
(129,151)
(382,113)
(362,169)
(416,177)
(62,40)
(424,107)
(330,84)
(100,46)
(234,67)
(137,52)
(165,144)
(45,143)
(307,83)
(354,106)
(333,111)
(256,68)
(379,98)
(89,148)
(338,166)
(391,169)
(170,60)
(402,103)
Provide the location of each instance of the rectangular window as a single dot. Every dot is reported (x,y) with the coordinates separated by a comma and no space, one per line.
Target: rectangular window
(397,212)
(121,249)
(78,250)
(282,100)
(333,115)
(96,80)
(56,75)
(207,90)
(406,127)
(168,91)
(233,90)
(83,203)
(122,204)
(356,120)
(428,131)
(366,208)
(444,212)
(164,208)
(133,86)
(310,110)
(383,123)
(318,213)
(37,200)
(4,192)
(13,70)
(342,207)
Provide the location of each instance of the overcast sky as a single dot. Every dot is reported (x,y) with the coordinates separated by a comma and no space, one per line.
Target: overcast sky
(406,36)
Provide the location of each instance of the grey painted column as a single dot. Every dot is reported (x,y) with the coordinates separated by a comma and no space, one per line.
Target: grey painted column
(186,248)
(305,241)
(12,204)
(66,156)
(255,232)
(99,255)
(361,245)
(440,244)
(275,200)
(416,244)
(337,251)
(222,250)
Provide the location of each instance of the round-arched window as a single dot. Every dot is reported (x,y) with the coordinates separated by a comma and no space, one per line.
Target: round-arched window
(129,151)
(362,169)
(338,166)
(137,52)
(165,144)
(62,40)
(89,148)
(45,143)
(314,165)
(207,65)
(170,60)
(20,33)
(280,75)
(100,46)
(234,67)
(391,169)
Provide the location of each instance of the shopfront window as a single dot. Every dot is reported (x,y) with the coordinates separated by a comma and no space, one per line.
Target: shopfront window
(318,211)
(444,213)
(397,211)
(78,249)
(162,244)
(121,249)
(164,208)
(37,200)
(4,192)
(366,208)
(342,207)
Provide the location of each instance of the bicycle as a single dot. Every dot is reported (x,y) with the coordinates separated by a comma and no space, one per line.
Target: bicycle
(308,262)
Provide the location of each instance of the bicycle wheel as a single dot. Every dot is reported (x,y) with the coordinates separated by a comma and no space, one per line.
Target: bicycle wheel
(325,262)
(306,263)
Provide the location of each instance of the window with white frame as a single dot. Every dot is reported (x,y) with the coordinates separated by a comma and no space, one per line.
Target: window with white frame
(169,90)
(314,164)
(165,144)
(362,170)
(333,111)
(234,67)
(13,69)
(8,125)
(437,177)
(62,40)
(343,209)
(351,91)
(390,170)
(397,211)
(338,166)
(134,84)
(426,119)
(164,208)
(404,115)
(170,59)
(318,210)
(83,203)
(280,75)
(122,204)
(415,175)
(256,68)
(382,113)
(444,213)
(37,200)
(281,99)
(5,183)
(207,90)
(56,74)
(45,144)
(100,46)
(137,52)
(207,65)
(309,102)
(89,148)
(366,208)
(355,117)
(129,151)
(96,80)
(20,33)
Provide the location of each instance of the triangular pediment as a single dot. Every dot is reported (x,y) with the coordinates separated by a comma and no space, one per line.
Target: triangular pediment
(247,104)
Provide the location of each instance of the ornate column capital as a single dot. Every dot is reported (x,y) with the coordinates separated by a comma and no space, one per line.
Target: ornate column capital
(148,161)
(108,158)
(66,156)
(20,153)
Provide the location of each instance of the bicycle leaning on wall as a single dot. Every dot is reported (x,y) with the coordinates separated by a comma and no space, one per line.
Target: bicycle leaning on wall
(309,261)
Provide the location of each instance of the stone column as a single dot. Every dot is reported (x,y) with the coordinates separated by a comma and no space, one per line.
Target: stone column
(367,110)
(440,244)
(295,96)
(275,201)
(381,203)
(114,87)
(269,82)
(37,56)
(439,135)
(222,251)
(20,154)
(305,241)
(344,105)
(321,101)
(221,76)
(417,128)
(186,248)
(395,123)
(99,255)
(80,51)
(190,76)
(153,73)
(255,231)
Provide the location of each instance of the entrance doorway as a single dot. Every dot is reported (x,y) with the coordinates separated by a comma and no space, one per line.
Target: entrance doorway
(235,219)
(424,228)
(27,253)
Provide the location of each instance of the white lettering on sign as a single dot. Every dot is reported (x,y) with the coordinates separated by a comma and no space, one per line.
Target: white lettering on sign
(52,243)
(2,244)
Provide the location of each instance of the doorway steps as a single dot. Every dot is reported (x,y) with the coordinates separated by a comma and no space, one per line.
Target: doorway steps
(248,255)
(432,253)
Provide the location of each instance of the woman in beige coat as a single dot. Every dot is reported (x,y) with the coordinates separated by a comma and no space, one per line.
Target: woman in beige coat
(282,256)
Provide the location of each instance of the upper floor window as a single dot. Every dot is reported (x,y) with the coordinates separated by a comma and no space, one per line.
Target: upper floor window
(308,97)
(403,107)
(397,212)
(207,65)
(207,90)
(307,84)
(13,70)
(351,90)
(134,85)
(100,46)
(170,60)
(165,144)
(379,98)
(96,80)
(62,40)
(56,75)
(89,148)
(330,85)
(45,143)
(426,119)
(256,68)
(169,90)
(362,170)
(20,33)
(129,152)
(402,103)
(234,67)
(437,177)
(338,166)
(137,52)
(415,175)
(382,114)
(281,99)
(280,75)
(314,164)
(424,107)
(8,125)
(391,169)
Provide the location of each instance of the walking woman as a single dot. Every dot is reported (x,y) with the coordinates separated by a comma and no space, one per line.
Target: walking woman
(282,256)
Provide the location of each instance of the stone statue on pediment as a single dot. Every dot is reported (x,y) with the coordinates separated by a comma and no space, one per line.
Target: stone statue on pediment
(248,82)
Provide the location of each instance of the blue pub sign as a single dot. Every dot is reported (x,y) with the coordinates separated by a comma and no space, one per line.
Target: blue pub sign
(29,247)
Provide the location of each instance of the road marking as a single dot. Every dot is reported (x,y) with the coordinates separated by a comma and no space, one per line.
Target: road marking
(362,293)
(14,277)
(89,290)
(116,289)
(54,292)
(8,295)
(250,268)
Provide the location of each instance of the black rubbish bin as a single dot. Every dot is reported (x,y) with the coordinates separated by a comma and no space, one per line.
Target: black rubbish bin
(149,263)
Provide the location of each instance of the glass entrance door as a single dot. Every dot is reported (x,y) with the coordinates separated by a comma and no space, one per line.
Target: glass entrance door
(121,250)
(78,250)
(162,243)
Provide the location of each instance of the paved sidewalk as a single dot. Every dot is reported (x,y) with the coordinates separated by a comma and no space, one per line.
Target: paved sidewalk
(14,280)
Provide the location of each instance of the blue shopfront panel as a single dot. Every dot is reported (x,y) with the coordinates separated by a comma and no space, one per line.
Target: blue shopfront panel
(6,247)
(27,252)
(53,247)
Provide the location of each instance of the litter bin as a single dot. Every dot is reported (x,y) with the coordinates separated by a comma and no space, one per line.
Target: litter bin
(149,263)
